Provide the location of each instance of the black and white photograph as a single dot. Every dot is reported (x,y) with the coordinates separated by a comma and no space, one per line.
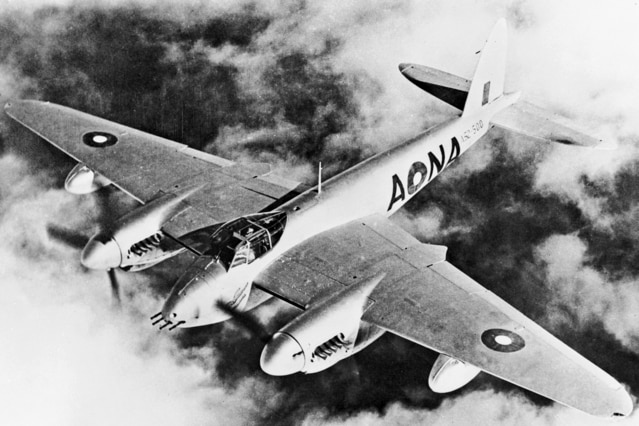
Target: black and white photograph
(260,212)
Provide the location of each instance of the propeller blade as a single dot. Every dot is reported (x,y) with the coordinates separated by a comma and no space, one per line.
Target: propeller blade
(106,218)
(69,237)
(248,321)
(115,287)
(107,214)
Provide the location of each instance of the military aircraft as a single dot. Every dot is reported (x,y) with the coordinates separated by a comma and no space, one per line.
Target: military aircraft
(329,250)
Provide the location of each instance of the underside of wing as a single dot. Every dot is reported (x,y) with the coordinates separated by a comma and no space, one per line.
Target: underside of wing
(427,300)
(147,166)
(447,87)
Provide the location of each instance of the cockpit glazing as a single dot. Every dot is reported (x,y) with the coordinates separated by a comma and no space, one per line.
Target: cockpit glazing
(241,241)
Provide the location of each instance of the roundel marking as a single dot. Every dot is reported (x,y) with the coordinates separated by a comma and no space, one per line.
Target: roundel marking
(501,340)
(99,139)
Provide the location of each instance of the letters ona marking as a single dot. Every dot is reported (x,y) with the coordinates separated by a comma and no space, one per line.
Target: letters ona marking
(419,173)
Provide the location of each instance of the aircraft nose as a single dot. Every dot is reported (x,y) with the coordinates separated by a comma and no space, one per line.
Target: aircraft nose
(282,356)
(180,311)
(101,253)
(189,292)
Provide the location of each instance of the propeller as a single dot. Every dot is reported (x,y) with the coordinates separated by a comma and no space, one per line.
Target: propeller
(115,287)
(77,240)
(66,236)
(106,213)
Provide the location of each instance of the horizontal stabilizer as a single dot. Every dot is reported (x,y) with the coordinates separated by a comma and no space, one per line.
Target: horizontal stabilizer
(445,86)
(530,120)
(523,118)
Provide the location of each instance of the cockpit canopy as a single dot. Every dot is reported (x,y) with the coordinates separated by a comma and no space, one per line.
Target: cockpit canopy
(240,241)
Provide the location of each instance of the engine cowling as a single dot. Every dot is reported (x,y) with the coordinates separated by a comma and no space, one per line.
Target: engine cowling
(324,334)
(449,374)
(134,234)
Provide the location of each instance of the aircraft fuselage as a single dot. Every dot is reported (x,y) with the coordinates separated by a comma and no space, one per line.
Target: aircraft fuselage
(382,184)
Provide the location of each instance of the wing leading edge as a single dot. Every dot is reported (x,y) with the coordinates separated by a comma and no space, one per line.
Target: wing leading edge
(427,300)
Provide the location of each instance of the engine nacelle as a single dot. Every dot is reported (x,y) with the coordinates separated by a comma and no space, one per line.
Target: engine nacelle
(449,374)
(324,334)
(83,180)
(134,234)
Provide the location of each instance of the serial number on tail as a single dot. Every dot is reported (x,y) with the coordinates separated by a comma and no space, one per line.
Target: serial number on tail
(474,129)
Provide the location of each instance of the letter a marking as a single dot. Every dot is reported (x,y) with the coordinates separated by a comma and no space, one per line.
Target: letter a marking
(397,185)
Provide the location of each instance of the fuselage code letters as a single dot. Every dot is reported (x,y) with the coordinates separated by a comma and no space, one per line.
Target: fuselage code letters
(419,173)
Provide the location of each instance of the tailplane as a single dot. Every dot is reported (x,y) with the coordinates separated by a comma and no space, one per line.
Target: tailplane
(526,120)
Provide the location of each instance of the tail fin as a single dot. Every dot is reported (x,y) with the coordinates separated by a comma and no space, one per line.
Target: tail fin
(488,81)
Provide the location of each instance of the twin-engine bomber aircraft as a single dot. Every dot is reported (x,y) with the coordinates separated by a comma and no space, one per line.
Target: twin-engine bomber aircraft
(329,250)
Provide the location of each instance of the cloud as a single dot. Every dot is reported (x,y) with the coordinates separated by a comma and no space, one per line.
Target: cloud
(480,407)
(588,293)
(69,358)
(561,61)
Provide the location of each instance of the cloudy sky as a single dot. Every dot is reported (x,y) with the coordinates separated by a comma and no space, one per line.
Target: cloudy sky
(551,229)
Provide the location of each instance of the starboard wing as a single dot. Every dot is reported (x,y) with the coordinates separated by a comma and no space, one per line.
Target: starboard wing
(427,300)
(145,166)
